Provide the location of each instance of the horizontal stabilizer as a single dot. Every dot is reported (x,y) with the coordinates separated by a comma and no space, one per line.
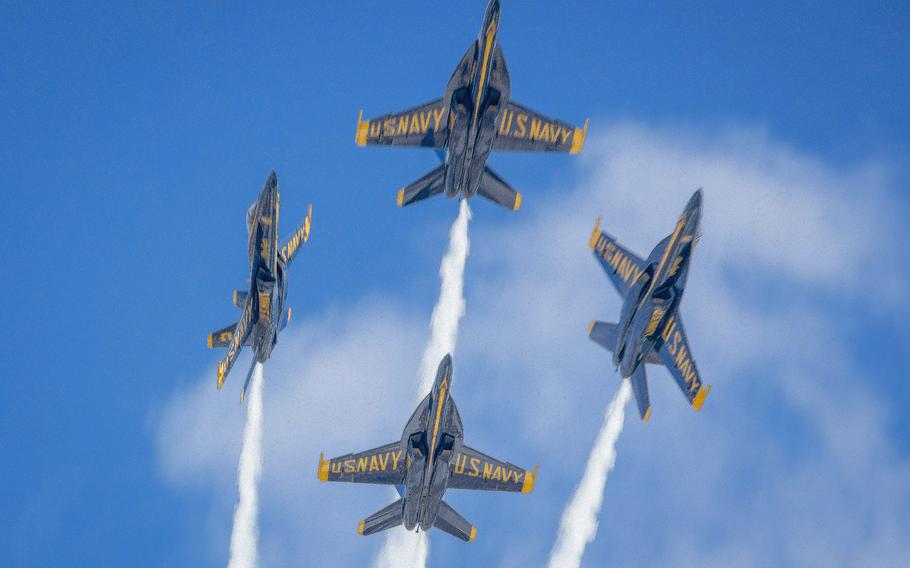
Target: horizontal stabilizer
(239,298)
(429,185)
(222,337)
(448,520)
(249,377)
(498,191)
(603,334)
(386,518)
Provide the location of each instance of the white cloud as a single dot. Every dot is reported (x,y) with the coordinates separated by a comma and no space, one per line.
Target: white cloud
(789,463)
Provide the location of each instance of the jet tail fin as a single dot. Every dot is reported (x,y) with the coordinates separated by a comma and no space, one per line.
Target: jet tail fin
(498,191)
(448,520)
(604,334)
(249,377)
(640,390)
(429,185)
(385,518)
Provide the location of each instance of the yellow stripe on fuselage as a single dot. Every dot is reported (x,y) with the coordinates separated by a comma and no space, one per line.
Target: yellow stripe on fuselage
(679,226)
(491,31)
(439,405)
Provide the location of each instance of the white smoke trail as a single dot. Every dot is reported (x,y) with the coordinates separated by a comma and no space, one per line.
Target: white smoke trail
(579,520)
(403,549)
(245,533)
(451,305)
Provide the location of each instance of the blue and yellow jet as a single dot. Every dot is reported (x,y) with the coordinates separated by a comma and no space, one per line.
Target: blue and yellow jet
(430,458)
(650,329)
(263,314)
(474,117)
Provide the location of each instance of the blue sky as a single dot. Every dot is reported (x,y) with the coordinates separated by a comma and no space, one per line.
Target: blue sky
(134,138)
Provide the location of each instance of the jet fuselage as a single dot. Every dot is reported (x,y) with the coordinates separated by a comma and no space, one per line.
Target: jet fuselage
(474,97)
(431,437)
(655,295)
(268,283)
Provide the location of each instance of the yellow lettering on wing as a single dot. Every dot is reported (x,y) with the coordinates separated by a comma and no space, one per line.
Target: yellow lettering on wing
(668,329)
(521,124)
(460,460)
(402,124)
(535,129)
(497,474)
(475,463)
(415,124)
(374,463)
(487,470)
(361,464)
(437,115)
(388,126)
(384,460)
(348,466)
(395,457)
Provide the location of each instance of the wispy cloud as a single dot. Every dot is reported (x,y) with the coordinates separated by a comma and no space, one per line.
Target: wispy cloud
(794,436)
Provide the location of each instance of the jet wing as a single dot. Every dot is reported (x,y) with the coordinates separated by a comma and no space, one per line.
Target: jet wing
(384,465)
(301,235)
(621,265)
(522,129)
(470,469)
(676,356)
(240,335)
(424,126)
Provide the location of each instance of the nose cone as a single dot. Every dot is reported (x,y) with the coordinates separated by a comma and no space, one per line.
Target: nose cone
(492,13)
(445,370)
(694,204)
(693,211)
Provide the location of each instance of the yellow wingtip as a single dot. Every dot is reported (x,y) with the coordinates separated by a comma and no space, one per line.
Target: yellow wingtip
(578,140)
(307,223)
(242,394)
(473,534)
(360,137)
(220,374)
(647,415)
(595,235)
(530,480)
(400,198)
(699,399)
(517,205)
(210,337)
(591,326)
(360,527)
(322,472)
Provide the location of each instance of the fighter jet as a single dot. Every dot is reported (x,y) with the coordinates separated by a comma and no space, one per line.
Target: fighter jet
(473,117)
(263,314)
(650,328)
(429,458)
